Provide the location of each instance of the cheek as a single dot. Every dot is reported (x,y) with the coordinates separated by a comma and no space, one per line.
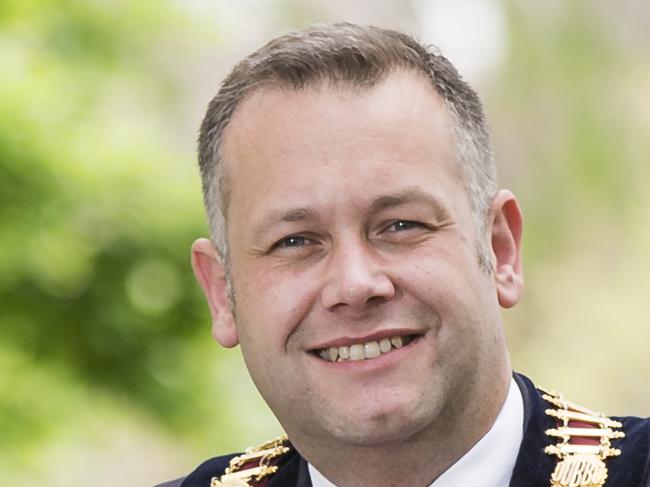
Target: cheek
(448,282)
(271,304)
(433,277)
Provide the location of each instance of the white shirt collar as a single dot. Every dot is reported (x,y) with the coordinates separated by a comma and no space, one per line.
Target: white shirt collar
(489,463)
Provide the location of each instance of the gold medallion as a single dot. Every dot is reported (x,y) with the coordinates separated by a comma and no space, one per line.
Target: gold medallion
(228,483)
(579,471)
(580,464)
(253,465)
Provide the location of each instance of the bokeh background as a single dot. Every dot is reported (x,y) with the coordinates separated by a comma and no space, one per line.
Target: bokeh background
(108,373)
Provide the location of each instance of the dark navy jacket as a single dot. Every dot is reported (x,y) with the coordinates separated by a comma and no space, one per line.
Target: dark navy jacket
(533,467)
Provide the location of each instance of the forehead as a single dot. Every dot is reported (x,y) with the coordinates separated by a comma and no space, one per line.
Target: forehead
(282,140)
(279,119)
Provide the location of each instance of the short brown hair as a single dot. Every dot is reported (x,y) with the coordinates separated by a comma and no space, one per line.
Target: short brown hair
(359,56)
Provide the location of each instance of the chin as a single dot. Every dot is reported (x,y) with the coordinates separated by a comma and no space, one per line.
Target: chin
(378,435)
(381,426)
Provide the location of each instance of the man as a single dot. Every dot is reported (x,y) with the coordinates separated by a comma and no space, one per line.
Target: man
(360,254)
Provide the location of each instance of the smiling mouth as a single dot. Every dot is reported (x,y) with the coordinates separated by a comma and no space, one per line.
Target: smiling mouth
(365,350)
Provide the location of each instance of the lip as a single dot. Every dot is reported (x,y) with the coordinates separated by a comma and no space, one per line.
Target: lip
(372,337)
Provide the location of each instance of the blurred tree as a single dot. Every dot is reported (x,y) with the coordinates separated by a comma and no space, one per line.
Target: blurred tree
(97,209)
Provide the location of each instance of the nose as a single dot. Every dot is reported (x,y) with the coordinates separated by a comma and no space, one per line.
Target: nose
(356,277)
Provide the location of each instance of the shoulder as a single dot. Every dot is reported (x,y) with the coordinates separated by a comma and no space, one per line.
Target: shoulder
(202,475)
(632,467)
(549,417)
(171,483)
(274,461)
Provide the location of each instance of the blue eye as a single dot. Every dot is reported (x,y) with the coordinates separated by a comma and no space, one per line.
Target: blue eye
(292,241)
(401,225)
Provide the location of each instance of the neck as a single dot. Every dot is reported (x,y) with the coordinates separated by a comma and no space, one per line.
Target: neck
(414,461)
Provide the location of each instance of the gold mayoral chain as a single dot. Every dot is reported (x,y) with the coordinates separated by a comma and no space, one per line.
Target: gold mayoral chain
(257,463)
(580,465)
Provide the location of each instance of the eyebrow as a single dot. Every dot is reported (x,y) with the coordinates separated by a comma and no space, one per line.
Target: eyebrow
(383,202)
(410,195)
(284,215)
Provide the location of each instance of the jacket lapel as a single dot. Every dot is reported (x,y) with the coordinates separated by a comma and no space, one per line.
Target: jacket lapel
(293,473)
(533,467)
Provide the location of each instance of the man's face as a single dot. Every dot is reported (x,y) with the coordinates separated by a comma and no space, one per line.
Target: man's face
(351,236)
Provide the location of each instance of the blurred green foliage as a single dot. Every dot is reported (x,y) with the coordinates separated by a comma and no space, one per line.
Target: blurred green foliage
(97,211)
(563,69)
(101,323)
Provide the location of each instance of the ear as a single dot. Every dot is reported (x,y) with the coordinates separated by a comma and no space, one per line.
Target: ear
(506,231)
(209,271)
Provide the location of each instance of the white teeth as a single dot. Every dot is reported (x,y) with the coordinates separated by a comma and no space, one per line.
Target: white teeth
(371,349)
(360,351)
(333,353)
(356,352)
